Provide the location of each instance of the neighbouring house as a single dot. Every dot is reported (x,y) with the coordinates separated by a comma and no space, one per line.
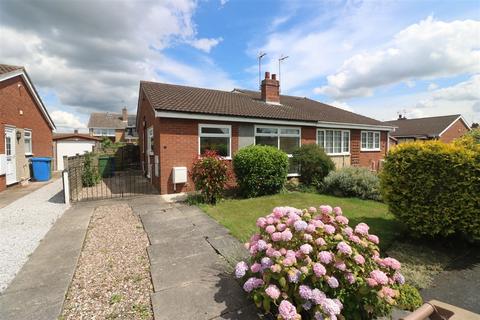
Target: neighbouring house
(118,127)
(70,144)
(25,124)
(443,128)
(177,123)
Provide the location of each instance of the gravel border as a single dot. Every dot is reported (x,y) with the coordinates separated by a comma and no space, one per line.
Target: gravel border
(24,223)
(112,279)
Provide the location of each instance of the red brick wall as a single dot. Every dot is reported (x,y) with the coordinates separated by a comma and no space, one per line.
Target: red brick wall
(179,148)
(146,118)
(457,130)
(13,99)
(368,159)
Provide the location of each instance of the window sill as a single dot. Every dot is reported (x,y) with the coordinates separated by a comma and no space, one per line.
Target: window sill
(293,175)
(370,150)
(28,155)
(338,154)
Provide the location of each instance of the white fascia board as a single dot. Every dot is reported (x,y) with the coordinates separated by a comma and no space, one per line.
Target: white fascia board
(451,124)
(319,124)
(38,100)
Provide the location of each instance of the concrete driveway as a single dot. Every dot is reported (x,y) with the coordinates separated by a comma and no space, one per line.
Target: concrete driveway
(23,224)
(191,263)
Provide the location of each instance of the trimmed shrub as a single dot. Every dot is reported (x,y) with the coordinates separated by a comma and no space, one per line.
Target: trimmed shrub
(313,162)
(353,182)
(470,140)
(309,265)
(434,188)
(260,170)
(90,176)
(210,174)
(409,298)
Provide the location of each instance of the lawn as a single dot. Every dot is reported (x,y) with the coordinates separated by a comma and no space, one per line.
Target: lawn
(239,216)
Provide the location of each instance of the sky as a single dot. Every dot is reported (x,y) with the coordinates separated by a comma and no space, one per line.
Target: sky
(377,58)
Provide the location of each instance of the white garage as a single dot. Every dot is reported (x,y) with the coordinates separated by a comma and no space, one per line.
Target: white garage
(70,144)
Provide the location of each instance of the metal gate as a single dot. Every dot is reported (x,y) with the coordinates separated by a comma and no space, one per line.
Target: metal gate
(106,177)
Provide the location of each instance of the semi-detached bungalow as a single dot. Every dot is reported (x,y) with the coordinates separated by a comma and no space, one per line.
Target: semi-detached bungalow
(177,123)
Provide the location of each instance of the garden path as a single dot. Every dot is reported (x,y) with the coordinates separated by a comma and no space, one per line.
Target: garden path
(191,262)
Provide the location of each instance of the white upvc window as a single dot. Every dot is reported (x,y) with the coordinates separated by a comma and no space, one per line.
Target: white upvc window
(370,141)
(27,139)
(334,142)
(286,139)
(215,137)
(103,132)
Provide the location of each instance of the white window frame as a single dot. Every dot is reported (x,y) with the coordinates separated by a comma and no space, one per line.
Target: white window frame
(278,135)
(375,135)
(29,131)
(342,132)
(103,132)
(149,140)
(216,135)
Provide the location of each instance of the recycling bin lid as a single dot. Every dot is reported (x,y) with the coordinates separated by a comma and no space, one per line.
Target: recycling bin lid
(41,159)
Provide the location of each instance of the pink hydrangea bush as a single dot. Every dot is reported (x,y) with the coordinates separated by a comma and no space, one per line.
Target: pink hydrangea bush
(309,264)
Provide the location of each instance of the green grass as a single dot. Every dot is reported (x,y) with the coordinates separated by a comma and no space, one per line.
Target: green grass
(240,215)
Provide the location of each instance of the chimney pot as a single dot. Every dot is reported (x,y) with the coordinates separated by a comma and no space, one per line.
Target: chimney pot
(124,114)
(75,131)
(274,76)
(267,75)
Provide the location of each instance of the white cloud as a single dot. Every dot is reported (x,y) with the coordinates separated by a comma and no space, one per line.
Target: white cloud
(223,2)
(432,86)
(66,120)
(94,62)
(467,90)
(205,44)
(313,45)
(342,105)
(425,50)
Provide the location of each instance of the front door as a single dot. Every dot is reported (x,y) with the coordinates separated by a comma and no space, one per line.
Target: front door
(10,155)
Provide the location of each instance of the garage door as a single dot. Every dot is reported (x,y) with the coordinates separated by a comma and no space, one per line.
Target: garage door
(71,148)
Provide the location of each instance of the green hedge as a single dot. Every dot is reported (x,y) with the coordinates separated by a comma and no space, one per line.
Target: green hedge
(353,182)
(434,188)
(313,163)
(260,170)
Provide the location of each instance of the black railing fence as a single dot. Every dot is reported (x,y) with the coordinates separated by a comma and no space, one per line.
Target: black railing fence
(107,177)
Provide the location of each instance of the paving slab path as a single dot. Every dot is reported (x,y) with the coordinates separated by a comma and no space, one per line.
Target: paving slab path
(38,291)
(191,262)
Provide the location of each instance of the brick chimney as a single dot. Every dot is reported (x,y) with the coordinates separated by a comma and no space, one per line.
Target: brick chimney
(124,114)
(270,89)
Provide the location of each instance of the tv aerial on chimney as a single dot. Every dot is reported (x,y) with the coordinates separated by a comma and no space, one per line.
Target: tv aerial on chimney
(282,57)
(260,56)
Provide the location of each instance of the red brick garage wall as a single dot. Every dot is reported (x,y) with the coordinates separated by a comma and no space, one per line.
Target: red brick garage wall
(15,99)
(368,159)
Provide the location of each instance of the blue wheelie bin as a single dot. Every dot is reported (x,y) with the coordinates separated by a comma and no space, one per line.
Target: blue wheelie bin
(41,168)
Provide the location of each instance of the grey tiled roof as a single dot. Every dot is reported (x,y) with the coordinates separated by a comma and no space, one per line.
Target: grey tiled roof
(110,120)
(428,127)
(245,103)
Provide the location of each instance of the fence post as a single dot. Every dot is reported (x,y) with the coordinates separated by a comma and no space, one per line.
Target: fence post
(66,187)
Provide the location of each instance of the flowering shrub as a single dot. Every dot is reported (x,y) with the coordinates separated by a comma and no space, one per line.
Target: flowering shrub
(210,174)
(311,265)
(353,182)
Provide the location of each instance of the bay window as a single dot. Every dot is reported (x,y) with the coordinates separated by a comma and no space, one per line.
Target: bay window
(370,141)
(215,138)
(334,142)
